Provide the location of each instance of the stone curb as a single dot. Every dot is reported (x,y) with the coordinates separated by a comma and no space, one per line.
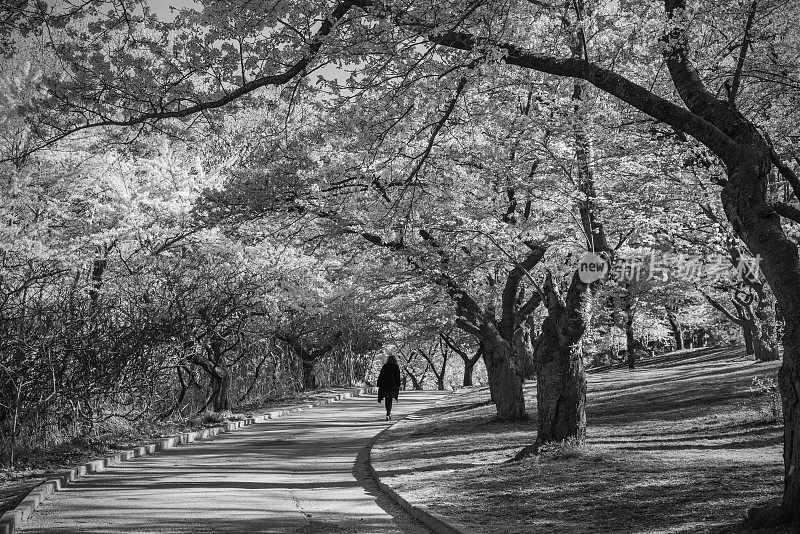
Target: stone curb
(432,520)
(13,518)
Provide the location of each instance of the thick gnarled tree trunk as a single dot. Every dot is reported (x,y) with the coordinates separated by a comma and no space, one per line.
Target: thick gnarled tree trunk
(760,228)
(507,375)
(744,201)
(560,372)
(748,159)
(558,358)
(562,396)
(505,366)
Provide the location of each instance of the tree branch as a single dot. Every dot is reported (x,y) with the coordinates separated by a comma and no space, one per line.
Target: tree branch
(735,83)
(439,125)
(610,82)
(785,171)
(701,102)
(720,308)
(296,69)
(787,211)
(510,315)
(455,347)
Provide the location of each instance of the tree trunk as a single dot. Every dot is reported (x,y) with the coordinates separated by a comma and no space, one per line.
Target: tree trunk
(789,383)
(505,378)
(560,373)
(523,347)
(415,383)
(759,303)
(757,341)
(309,378)
(220,382)
(763,349)
(747,333)
(561,388)
(700,337)
(469,367)
(488,362)
(760,228)
(443,349)
(558,358)
(630,341)
(469,361)
(217,371)
(221,386)
(768,338)
(677,330)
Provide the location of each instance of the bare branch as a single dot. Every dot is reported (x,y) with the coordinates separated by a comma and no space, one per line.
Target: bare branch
(735,83)
(439,125)
(720,308)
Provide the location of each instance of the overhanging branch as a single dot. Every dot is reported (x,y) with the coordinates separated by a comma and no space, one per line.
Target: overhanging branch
(607,80)
(286,76)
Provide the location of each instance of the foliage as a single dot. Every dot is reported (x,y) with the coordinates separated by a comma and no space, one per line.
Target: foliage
(293,189)
(767,397)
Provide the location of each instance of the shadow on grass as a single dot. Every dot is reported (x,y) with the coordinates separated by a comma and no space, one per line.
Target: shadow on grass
(675,359)
(755,430)
(673,447)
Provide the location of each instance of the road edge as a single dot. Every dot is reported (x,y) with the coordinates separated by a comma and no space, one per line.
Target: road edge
(19,514)
(432,520)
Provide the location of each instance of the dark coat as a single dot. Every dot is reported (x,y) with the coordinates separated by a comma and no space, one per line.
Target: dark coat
(389,381)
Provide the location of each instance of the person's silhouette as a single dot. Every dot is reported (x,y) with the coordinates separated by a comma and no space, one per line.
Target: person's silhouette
(389,384)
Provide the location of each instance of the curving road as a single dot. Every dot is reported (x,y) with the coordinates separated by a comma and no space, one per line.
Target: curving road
(302,473)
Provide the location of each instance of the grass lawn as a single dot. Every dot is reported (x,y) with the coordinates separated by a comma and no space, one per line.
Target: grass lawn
(677,446)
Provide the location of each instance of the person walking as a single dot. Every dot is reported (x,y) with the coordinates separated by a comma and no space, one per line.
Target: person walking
(389,384)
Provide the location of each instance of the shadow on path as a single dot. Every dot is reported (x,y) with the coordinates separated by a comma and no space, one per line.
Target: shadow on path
(306,473)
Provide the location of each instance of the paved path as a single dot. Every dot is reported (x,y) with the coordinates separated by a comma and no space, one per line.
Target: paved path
(303,473)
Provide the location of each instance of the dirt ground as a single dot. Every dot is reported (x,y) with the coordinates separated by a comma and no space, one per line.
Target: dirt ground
(680,445)
(35,466)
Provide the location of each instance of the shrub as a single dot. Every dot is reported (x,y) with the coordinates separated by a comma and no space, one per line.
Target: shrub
(207,419)
(767,397)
